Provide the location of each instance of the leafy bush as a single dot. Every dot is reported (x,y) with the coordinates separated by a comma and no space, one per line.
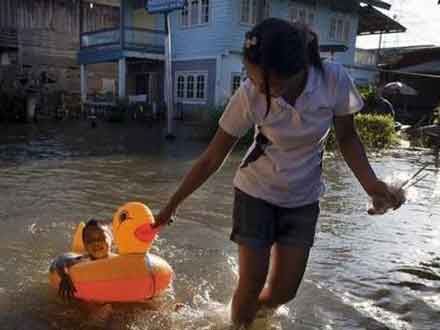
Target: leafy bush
(368,93)
(209,124)
(375,131)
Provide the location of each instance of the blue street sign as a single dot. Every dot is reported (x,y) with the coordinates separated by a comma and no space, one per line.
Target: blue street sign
(163,6)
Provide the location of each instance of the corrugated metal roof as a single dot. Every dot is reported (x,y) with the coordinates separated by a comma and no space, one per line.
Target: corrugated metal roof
(372,21)
(377,3)
(113,3)
(417,57)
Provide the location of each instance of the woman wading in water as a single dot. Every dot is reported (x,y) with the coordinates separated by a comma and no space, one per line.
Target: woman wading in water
(291,99)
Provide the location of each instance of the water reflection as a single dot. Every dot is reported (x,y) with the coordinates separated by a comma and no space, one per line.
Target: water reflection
(365,272)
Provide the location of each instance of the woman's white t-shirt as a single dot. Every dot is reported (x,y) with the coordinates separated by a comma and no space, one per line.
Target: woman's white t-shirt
(288,174)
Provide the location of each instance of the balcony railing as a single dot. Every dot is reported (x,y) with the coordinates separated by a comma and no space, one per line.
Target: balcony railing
(101,38)
(134,38)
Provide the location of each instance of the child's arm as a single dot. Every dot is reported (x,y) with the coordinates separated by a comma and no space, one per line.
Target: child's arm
(66,288)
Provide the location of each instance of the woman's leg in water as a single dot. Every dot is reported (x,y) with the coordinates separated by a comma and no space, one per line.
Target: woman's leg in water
(253,269)
(287,267)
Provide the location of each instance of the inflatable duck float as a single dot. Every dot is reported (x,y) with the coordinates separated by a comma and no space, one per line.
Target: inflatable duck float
(132,275)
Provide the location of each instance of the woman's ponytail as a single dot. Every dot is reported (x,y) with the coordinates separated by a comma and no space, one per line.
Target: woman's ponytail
(313,51)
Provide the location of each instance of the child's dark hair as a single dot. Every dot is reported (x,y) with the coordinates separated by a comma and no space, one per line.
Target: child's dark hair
(282,48)
(96,224)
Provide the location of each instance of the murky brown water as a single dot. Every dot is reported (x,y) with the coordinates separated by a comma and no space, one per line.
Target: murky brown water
(365,272)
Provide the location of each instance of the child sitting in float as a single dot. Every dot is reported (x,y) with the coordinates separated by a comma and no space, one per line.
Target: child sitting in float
(97,241)
(93,274)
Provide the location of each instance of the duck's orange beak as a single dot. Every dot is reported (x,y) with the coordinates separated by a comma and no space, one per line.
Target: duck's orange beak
(146,233)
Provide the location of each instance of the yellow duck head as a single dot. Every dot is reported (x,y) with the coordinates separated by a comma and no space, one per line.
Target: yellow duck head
(132,228)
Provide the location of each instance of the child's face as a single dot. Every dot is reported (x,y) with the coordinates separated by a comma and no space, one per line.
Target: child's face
(97,243)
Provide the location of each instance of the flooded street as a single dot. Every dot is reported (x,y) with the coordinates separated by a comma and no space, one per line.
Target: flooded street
(365,272)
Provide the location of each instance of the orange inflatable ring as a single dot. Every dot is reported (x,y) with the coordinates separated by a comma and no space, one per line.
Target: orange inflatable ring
(133,275)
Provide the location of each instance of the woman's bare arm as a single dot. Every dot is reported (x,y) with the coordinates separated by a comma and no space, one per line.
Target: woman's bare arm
(207,164)
(356,158)
(354,153)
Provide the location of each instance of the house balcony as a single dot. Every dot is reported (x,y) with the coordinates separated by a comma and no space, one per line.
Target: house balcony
(113,44)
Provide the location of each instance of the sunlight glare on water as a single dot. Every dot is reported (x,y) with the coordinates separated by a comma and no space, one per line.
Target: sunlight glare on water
(436,192)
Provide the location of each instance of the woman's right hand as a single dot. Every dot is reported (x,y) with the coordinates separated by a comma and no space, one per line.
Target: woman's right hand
(67,289)
(165,217)
(385,197)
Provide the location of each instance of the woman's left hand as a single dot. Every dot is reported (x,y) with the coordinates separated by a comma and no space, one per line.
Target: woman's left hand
(385,197)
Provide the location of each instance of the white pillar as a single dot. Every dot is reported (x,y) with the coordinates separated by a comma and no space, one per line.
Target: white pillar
(83,73)
(122,78)
(219,80)
(168,92)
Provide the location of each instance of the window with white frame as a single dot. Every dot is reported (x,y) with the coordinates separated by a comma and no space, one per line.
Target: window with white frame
(340,28)
(303,14)
(195,13)
(184,16)
(191,87)
(180,87)
(235,81)
(204,16)
(200,87)
(347,30)
(249,11)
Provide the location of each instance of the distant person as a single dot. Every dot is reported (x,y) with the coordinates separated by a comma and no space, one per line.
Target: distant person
(382,105)
(292,99)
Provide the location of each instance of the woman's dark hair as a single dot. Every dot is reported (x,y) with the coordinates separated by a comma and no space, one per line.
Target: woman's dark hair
(95,224)
(282,48)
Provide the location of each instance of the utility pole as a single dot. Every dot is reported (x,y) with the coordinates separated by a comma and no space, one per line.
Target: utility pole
(166,7)
(379,48)
(168,78)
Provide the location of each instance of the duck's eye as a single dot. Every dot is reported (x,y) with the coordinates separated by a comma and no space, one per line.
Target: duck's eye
(123,216)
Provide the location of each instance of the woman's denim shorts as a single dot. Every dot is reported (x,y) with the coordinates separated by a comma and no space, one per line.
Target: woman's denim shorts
(259,224)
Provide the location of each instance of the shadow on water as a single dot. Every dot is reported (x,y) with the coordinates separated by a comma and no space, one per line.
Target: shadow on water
(364,273)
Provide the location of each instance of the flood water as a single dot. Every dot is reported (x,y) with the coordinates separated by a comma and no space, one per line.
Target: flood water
(365,272)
